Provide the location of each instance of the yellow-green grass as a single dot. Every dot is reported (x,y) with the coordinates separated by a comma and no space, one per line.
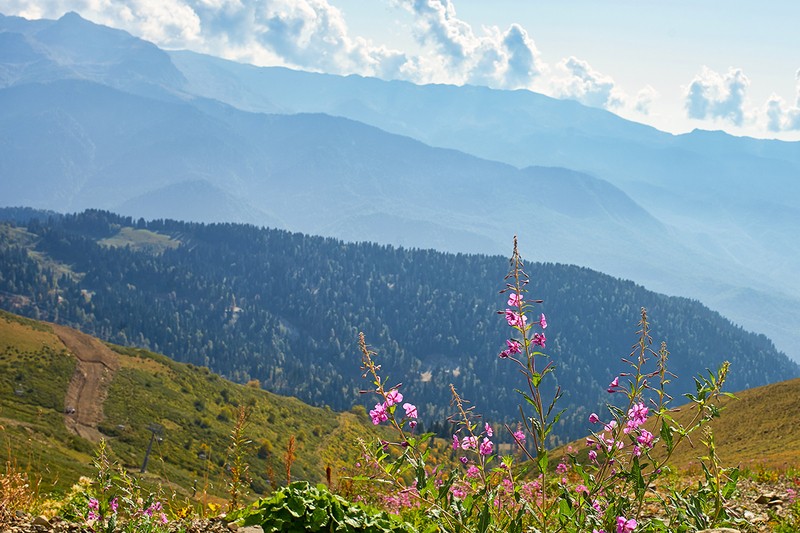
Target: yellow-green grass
(141,240)
(757,430)
(760,428)
(195,407)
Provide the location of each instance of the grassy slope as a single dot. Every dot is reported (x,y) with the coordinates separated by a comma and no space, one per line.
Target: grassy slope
(756,430)
(195,407)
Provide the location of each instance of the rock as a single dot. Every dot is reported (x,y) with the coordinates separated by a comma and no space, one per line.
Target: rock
(767,497)
(251,529)
(42,522)
(233,526)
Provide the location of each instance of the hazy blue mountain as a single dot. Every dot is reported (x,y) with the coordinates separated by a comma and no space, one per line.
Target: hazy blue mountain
(93,117)
(319,174)
(735,202)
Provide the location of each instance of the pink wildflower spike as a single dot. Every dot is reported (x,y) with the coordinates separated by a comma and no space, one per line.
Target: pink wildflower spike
(486,447)
(393,397)
(378,414)
(514,300)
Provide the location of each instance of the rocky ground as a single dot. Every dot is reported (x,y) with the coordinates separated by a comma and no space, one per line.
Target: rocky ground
(756,502)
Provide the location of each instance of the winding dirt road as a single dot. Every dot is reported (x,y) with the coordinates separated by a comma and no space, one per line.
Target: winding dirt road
(89,385)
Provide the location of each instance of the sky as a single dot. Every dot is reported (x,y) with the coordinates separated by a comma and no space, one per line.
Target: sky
(731,65)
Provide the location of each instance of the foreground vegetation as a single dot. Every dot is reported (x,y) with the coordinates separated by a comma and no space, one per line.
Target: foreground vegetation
(238,442)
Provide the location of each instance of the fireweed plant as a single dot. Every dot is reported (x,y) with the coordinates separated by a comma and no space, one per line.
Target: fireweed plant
(609,487)
(114,501)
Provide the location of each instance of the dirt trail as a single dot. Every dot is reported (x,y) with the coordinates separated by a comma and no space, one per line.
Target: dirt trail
(88,387)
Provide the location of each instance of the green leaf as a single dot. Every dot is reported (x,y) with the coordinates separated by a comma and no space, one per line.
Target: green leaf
(542,461)
(666,435)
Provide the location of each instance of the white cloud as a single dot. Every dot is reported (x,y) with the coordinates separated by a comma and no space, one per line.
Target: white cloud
(503,60)
(308,34)
(313,35)
(579,81)
(782,116)
(713,95)
(644,99)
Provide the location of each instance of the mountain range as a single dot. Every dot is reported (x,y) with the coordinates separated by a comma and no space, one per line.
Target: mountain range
(92,117)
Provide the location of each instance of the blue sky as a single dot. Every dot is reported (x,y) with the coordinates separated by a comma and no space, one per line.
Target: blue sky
(676,65)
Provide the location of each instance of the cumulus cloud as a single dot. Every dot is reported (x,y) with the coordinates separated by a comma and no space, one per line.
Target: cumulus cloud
(500,59)
(713,95)
(644,99)
(579,81)
(313,35)
(782,116)
(309,34)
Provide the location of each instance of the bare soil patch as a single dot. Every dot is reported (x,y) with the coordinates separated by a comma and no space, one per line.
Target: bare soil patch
(88,388)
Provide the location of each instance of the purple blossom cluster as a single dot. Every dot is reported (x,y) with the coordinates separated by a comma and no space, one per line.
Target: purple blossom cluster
(382,409)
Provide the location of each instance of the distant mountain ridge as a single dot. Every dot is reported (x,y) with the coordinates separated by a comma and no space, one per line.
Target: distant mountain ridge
(144,131)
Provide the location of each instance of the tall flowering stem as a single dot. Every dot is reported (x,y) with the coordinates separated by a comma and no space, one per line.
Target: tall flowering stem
(523,348)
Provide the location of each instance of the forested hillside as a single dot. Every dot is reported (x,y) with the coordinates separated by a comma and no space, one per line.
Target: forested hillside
(286,308)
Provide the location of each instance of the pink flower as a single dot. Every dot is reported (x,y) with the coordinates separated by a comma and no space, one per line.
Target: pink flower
(412,424)
(486,447)
(646,438)
(520,436)
(561,468)
(581,489)
(473,472)
(593,455)
(637,415)
(91,516)
(624,525)
(411,410)
(163,518)
(543,321)
(593,418)
(114,505)
(513,346)
(514,299)
(455,442)
(539,339)
(393,397)
(489,431)
(469,443)
(458,492)
(94,504)
(612,387)
(378,414)
(515,319)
